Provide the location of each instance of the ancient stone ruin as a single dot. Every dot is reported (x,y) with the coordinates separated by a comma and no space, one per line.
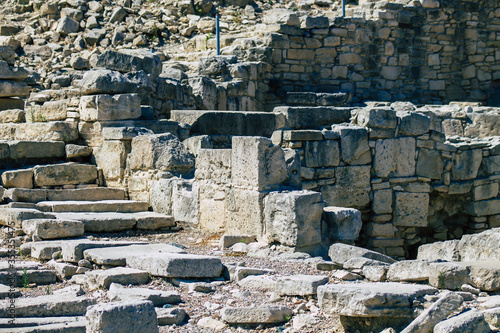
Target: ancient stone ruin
(323,173)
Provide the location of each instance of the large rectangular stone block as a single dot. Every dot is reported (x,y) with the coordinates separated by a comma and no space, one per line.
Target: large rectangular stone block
(214,165)
(244,214)
(110,107)
(13,89)
(319,154)
(257,163)
(466,164)
(299,117)
(411,209)
(36,149)
(395,157)
(212,210)
(352,188)
(64,174)
(293,218)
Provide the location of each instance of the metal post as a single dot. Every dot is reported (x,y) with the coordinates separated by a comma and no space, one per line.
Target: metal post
(343,8)
(217,33)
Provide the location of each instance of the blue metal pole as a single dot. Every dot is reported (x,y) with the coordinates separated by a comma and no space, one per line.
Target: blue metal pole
(343,8)
(217,33)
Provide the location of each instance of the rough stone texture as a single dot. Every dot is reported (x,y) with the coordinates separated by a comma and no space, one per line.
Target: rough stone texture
(245,212)
(129,316)
(48,306)
(413,124)
(53,228)
(105,82)
(340,253)
(110,107)
(18,178)
(35,149)
(371,299)
(448,275)
(298,117)
(170,316)
(12,89)
(377,118)
(64,174)
(300,285)
(429,164)
(177,265)
(470,321)
(447,303)
(97,279)
(72,250)
(159,298)
(352,188)
(409,270)
(12,73)
(293,218)
(256,162)
(128,60)
(256,315)
(14,217)
(344,224)
(395,157)
(161,152)
(466,164)
(353,144)
(411,209)
(102,222)
(320,154)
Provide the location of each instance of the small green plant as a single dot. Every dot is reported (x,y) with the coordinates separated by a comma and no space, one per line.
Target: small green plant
(41,118)
(32,114)
(287,317)
(25,278)
(207,38)
(441,279)
(48,290)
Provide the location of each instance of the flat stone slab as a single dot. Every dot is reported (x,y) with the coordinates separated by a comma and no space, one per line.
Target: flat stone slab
(308,117)
(36,149)
(44,250)
(7,292)
(409,270)
(263,282)
(13,89)
(13,217)
(83,194)
(117,256)
(340,253)
(20,277)
(37,321)
(153,221)
(170,316)
(77,326)
(48,306)
(64,174)
(300,285)
(72,250)
(256,315)
(129,316)
(53,228)
(159,297)
(123,275)
(101,222)
(117,206)
(371,299)
(177,265)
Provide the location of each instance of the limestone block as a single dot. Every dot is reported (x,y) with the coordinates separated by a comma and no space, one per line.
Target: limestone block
(12,116)
(161,195)
(352,188)
(293,218)
(452,127)
(162,152)
(353,144)
(129,60)
(212,208)
(77,151)
(382,201)
(409,271)
(448,275)
(320,154)
(44,249)
(484,208)
(282,16)
(300,117)
(257,163)
(159,297)
(411,209)
(491,164)
(35,149)
(484,275)
(72,250)
(429,164)
(110,107)
(485,192)
(256,315)
(380,118)
(395,157)
(48,306)
(466,164)
(98,279)
(413,124)
(371,299)
(446,250)
(105,82)
(11,103)
(129,316)
(67,26)
(344,224)
(12,73)
(18,178)
(13,89)
(185,199)
(177,265)
(482,246)
(447,303)
(244,212)
(196,143)
(300,285)
(51,110)
(53,228)
(124,133)
(39,132)
(14,217)
(430,3)
(340,253)
(111,157)
(214,165)
(470,321)
(64,174)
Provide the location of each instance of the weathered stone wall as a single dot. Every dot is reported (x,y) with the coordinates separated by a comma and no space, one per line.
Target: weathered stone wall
(435,52)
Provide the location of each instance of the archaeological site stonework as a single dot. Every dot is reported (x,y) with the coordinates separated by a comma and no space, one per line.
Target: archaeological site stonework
(323,173)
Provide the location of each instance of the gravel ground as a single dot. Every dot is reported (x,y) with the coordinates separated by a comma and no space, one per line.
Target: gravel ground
(198,305)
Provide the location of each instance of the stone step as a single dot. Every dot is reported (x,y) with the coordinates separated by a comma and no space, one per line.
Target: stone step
(243,123)
(312,117)
(53,228)
(112,222)
(13,217)
(77,194)
(159,298)
(72,250)
(117,256)
(48,306)
(36,321)
(315,99)
(39,131)
(102,279)
(78,326)
(116,206)
(22,278)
